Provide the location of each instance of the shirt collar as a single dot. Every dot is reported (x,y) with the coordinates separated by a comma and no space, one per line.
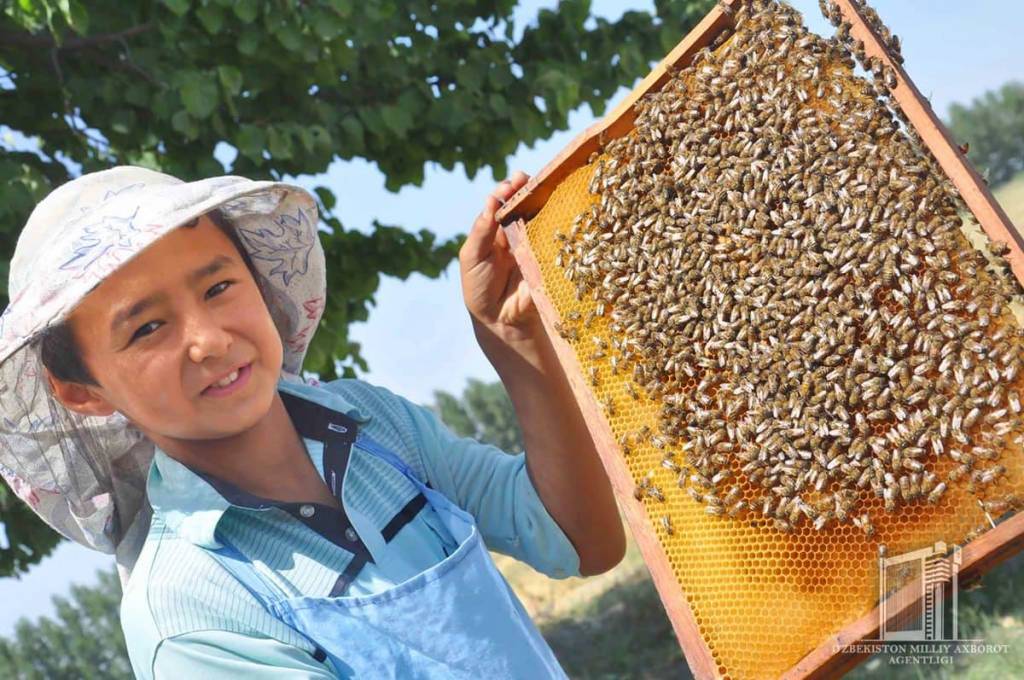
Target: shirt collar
(189,505)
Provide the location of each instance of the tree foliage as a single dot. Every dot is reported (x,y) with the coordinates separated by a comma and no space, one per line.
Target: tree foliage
(83,642)
(993,126)
(484,412)
(285,87)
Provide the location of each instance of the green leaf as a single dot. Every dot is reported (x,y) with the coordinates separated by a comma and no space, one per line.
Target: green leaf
(317,137)
(199,94)
(498,103)
(249,41)
(251,141)
(179,7)
(122,121)
(211,17)
(230,78)
(290,35)
(246,10)
(76,16)
(397,119)
(137,94)
(471,74)
(279,143)
(353,130)
(327,24)
(326,197)
(185,124)
(342,7)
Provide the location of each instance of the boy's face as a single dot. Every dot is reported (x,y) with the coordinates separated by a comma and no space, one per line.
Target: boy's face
(205,319)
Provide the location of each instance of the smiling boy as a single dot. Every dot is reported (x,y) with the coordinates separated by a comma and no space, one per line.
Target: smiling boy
(155,336)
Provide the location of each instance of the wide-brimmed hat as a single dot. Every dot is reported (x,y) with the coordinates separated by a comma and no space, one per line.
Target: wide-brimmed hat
(86,475)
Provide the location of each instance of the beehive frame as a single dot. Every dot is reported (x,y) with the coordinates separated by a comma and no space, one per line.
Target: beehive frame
(979,556)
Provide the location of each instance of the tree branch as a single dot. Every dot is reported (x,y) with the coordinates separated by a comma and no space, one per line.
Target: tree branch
(14,38)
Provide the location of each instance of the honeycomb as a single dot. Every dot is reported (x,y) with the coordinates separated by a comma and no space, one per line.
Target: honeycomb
(761,598)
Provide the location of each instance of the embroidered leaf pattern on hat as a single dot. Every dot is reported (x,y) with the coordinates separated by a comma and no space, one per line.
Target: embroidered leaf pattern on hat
(288,246)
(111,232)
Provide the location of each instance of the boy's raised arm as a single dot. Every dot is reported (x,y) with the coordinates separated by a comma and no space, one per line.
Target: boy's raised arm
(561,458)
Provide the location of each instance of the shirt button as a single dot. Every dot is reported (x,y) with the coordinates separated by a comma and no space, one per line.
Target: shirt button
(351,534)
(307,511)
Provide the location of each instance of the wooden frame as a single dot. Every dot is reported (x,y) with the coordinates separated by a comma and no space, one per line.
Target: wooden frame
(979,556)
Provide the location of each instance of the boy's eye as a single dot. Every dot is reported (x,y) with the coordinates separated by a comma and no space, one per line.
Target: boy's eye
(219,289)
(139,333)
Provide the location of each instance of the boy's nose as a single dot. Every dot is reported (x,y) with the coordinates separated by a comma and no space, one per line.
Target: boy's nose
(206,338)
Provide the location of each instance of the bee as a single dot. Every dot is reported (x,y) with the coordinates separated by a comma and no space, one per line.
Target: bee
(666,524)
(988,475)
(936,493)
(889,495)
(737,508)
(890,78)
(999,506)
(609,406)
(864,524)
(625,444)
(822,520)
(999,249)
(595,379)
(631,390)
(783,526)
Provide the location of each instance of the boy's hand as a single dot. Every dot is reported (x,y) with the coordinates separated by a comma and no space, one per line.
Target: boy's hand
(497,297)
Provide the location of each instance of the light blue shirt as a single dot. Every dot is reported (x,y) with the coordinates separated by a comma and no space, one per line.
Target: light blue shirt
(185,617)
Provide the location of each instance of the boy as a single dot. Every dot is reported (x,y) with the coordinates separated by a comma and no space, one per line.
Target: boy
(155,335)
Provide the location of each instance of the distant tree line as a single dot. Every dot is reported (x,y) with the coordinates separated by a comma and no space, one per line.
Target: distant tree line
(993,127)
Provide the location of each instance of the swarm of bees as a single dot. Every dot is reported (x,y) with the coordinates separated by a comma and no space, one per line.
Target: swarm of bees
(781,266)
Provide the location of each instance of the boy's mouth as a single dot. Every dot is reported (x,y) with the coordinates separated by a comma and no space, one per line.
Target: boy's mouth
(229,383)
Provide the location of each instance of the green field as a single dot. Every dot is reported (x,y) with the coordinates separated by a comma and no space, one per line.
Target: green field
(613,625)
(1011,197)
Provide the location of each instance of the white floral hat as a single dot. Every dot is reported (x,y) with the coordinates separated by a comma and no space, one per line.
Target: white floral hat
(86,475)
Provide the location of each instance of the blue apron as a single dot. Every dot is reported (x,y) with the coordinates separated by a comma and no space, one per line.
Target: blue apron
(457,619)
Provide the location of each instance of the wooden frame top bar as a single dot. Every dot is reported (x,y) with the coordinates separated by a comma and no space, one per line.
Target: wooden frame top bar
(528,201)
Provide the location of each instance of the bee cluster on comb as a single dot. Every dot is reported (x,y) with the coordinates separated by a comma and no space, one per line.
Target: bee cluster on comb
(782,268)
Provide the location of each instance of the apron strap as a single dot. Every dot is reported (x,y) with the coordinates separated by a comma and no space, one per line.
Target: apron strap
(370,444)
(438,500)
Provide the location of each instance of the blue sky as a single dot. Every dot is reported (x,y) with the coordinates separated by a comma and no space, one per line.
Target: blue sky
(954,51)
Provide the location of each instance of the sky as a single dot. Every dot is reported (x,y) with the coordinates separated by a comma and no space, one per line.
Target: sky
(954,51)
